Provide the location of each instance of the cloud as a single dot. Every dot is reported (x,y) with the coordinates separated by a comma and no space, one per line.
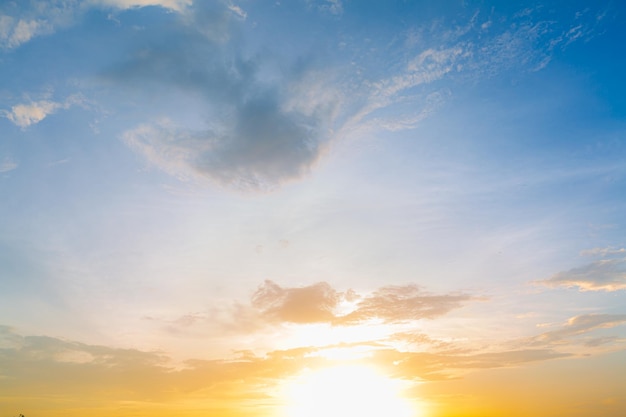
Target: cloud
(441,366)
(311,304)
(24,115)
(603,252)
(395,304)
(577,326)
(334,7)
(601,275)
(45,367)
(176,5)
(20,22)
(257,136)
(267,122)
(7,164)
(321,303)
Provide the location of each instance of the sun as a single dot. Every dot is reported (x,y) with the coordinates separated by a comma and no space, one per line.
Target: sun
(344,391)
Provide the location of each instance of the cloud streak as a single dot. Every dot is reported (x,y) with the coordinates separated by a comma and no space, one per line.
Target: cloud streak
(601,275)
(577,326)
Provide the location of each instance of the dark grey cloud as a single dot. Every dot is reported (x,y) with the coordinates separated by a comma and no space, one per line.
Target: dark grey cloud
(255,136)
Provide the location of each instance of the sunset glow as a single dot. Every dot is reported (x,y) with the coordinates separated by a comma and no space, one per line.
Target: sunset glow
(312,208)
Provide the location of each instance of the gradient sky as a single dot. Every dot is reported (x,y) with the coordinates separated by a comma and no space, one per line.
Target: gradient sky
(201,201)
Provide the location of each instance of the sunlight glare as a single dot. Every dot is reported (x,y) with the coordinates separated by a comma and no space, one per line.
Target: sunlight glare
(346,391)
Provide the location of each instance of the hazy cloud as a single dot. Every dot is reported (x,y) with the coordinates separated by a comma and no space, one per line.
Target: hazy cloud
(7,164)
(602,275)
(577,326)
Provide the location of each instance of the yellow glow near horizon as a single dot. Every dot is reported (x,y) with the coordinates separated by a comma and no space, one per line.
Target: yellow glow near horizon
(343,391)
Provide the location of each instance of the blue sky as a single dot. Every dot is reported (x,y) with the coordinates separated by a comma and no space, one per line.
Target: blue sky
(165,163)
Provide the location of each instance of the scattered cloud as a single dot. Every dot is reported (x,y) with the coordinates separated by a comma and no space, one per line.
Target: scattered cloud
(601,275)
(334,7)
(73,369)
(20,22)
(33,112)
(23,21)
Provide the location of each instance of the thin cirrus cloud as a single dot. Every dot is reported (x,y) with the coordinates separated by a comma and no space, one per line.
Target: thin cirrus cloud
(320,303)
(19,24)
(577,326)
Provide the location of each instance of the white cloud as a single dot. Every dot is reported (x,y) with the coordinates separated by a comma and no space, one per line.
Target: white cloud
(14,32)
(19,25)
(27,114)
(176,5)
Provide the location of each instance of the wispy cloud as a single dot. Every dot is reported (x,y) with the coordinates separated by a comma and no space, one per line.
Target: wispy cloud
(577,326)
(20,22)
(334,7)
(7,164)
(601,275)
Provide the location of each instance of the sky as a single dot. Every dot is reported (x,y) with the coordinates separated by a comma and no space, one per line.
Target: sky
(298,208)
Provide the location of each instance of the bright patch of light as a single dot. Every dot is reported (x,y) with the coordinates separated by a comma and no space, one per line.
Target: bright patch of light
(345,391)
